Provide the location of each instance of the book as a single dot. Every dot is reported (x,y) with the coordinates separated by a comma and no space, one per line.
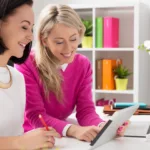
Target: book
(111,32)
(127,104)
(108,109)
(99,32)
(137,129)
(108,81)
(99,74)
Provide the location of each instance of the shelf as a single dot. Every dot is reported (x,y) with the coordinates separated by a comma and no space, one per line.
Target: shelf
(85,49)
(107,49)
(115,49)
(115,91)
(131,34)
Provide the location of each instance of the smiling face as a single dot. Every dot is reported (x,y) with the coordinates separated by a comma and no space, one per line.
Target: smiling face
(63,42)
(16,30)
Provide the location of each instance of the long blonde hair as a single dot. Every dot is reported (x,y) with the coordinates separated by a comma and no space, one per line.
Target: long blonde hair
(46,62)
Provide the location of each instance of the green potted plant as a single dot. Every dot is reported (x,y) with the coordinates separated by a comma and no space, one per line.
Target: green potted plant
(121,74)
(87,39)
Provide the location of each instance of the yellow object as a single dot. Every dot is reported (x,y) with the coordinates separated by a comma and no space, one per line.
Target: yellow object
(87,42)
(121,84)
(57,148)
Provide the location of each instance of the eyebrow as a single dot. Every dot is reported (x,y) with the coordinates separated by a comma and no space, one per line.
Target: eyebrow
(27,22)
(62,38)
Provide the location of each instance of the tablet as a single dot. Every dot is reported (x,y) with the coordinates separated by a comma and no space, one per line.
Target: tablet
(110,129)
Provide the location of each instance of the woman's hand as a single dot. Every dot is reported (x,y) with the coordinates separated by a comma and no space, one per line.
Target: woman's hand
(38,138)
(87,133)
(121,129)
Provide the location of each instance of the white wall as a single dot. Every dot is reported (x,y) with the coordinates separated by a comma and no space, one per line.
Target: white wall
(39,4)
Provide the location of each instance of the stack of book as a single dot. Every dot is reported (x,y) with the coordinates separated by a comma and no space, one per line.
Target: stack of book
(143,109)
(107,32)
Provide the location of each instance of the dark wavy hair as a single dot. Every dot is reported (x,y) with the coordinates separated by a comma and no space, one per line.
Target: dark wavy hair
(7,8)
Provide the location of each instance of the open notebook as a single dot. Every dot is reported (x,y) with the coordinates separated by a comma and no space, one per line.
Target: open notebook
(137,129)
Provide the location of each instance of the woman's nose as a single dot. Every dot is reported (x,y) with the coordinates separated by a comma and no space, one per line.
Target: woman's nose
(30,36)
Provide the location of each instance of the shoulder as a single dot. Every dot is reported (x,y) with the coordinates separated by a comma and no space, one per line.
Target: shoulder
(16,74)
(29,64)
(81,59)
(81,65)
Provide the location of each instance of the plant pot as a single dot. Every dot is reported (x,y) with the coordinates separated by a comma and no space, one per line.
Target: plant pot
(121,84)
(87,42)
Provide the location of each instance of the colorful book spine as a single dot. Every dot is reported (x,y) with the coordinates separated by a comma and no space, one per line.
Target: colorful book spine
(128,104)
(108,81)
(111,32)
(98,74)
(99,32)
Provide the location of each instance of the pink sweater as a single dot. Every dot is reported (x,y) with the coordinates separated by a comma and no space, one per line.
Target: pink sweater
(76,86)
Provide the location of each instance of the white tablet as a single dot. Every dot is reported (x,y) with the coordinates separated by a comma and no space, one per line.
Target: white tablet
(110,129)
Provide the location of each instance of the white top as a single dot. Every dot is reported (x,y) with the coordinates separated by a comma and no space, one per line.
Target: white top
(12,103)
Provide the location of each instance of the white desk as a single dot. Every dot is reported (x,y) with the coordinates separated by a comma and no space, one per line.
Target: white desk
(121,143)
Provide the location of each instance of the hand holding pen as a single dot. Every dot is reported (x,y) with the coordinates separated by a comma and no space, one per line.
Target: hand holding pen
(48,128)
(43,122)
(37,138)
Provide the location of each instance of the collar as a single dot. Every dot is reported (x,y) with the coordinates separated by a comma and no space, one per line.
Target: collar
(64,66)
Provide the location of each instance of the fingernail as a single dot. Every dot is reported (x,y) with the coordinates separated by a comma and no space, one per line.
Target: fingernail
(120,128)
(126,123)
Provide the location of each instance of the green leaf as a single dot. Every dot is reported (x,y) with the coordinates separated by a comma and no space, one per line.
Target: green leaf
(88,26)
(121,72)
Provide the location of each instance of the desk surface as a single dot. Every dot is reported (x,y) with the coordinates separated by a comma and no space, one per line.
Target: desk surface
(121,143)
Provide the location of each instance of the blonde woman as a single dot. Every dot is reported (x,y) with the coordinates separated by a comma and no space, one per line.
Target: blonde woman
(57,79)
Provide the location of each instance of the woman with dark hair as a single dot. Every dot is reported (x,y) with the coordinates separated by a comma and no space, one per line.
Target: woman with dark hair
(16,23)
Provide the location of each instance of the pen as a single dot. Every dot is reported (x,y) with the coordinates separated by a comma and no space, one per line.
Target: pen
(43,122)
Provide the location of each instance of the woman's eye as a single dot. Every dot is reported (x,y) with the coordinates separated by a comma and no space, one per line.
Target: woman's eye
(73,39)
(59,43)
(25,28)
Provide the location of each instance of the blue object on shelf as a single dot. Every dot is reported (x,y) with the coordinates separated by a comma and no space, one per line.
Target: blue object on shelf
(126,104)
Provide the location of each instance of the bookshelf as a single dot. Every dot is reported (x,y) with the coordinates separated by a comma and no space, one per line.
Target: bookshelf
(134,29)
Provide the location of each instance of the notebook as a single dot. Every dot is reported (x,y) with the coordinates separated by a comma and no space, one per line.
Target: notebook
(137,129)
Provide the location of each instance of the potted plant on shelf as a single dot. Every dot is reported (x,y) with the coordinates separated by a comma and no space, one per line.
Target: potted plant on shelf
(121,74)
(87,39)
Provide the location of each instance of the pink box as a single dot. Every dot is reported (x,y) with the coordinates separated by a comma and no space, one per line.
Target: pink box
(111,32)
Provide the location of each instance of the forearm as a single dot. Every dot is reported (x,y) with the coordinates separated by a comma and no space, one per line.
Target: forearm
(9,143)
(87,116)
(71,132)
(56,123)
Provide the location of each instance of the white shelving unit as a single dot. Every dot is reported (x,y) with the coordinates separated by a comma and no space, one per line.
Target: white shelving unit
(134,29)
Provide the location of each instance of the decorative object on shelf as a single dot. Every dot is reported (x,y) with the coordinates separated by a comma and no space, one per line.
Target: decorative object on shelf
(145,46)
(87,39)
(103,102)
(121,74)
(111,32)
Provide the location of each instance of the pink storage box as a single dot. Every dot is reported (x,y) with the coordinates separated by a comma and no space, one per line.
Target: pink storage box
(111,32)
